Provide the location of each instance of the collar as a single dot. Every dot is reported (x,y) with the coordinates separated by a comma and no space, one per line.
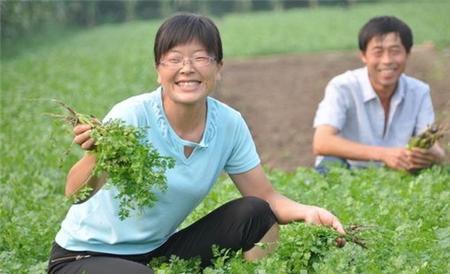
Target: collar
(169,133)
(370,94)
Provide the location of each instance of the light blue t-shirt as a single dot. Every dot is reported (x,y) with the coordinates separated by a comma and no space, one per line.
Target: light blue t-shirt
(352,106)
(226,145)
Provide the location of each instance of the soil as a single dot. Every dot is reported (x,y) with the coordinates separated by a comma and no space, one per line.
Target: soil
(278,96)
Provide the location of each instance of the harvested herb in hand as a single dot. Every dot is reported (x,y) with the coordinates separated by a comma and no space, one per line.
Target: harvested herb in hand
(426,139)
(133,166)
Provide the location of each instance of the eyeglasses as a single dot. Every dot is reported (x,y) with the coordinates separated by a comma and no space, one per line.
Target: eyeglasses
(178,62)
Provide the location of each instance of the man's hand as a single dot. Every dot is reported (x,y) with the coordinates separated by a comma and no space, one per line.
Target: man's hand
(412,159)
(396,158)
(420,158)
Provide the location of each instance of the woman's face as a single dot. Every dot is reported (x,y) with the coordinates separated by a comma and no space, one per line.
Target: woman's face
(188,74)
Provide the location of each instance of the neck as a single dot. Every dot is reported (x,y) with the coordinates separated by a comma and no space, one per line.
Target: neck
(188,121)
(385,95)
(384,92)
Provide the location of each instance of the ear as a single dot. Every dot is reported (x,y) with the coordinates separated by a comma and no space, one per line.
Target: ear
(219,71)
(158,79)
(219,74)
(362,56)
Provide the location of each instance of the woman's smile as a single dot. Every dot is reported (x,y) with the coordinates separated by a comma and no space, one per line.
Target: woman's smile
(188,84)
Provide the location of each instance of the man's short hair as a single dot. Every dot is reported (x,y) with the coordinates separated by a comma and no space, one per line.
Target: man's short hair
(382,25)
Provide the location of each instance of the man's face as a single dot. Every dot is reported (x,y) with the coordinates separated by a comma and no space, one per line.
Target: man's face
(385,58)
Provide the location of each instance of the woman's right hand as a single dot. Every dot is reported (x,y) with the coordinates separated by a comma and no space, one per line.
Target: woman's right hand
(83,137)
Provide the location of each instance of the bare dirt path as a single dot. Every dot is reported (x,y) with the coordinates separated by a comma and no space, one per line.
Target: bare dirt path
(278,96)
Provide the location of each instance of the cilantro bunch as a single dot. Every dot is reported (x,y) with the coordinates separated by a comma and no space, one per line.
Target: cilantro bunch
(133,166)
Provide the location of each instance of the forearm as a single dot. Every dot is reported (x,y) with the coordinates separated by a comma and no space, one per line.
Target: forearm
(81,174)
(285,209)
(255,183)
(335,145)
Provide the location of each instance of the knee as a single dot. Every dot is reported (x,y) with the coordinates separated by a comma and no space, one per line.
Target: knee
(253,207)
(329,161)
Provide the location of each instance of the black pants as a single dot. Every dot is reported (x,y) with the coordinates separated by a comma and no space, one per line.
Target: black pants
(236,225)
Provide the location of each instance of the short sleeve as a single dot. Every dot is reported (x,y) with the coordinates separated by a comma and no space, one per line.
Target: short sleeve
(244,156)
(122,112)
(333,108)
(426,114)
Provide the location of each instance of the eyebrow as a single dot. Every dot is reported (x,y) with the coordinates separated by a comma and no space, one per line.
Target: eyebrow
(376,48)
(195,51)
(388,47)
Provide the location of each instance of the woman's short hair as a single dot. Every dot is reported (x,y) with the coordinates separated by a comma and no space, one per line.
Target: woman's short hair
(382,25)
(187,27)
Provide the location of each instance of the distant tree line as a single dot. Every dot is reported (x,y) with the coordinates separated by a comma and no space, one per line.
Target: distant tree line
(19,17)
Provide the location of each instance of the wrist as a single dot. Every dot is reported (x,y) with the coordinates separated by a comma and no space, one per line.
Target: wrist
(439,155)
(302,212)
(378,154)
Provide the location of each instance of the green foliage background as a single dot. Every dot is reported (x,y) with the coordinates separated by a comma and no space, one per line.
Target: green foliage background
(93,69)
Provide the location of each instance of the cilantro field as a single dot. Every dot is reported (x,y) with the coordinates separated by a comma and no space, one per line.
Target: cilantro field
(404,218)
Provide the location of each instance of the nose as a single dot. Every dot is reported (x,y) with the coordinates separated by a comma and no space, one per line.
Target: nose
(186,65)
(386,57)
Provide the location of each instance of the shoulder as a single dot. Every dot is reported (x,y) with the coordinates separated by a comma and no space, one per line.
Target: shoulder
(136,102)
(347,86)
(225,119)
(347,80)
(414,86)
(350,77)
(133,108)
(223,111)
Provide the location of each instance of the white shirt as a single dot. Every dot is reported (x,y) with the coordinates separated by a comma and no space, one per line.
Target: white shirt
(352,106)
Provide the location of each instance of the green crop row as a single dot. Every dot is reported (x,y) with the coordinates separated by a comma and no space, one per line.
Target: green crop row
(95,68)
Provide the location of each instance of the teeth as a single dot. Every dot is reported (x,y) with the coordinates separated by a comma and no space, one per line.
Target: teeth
(187,84)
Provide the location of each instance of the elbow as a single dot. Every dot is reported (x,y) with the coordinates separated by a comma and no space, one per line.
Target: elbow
(71,185)
(318,148)
(323,140)
(68,191)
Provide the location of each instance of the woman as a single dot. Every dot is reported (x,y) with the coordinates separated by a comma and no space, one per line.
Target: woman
(205,137)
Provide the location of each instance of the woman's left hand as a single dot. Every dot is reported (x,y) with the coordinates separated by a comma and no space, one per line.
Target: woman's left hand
(319,216)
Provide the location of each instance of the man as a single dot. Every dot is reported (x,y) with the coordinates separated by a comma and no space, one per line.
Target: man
(369,114)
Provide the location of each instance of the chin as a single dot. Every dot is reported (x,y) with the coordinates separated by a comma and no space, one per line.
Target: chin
(389,82)
(190,99)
